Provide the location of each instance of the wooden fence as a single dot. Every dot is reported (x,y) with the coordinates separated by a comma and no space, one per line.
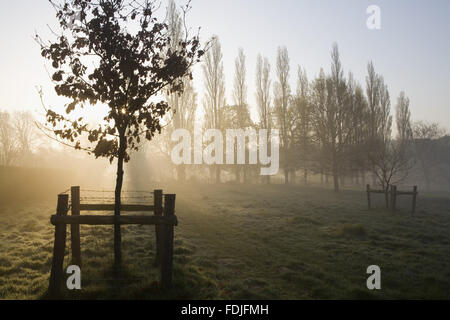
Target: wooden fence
(391,196)
(164,220)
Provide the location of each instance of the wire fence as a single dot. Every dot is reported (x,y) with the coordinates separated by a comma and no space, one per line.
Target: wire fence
(89,196)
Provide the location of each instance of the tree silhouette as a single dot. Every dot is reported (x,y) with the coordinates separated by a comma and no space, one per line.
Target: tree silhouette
(214,98)
(115,53)
(282,92)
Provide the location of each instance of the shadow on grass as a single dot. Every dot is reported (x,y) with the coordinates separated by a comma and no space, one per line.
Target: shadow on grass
(126,283)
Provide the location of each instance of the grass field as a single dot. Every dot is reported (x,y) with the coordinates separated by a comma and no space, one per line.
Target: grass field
(247,242)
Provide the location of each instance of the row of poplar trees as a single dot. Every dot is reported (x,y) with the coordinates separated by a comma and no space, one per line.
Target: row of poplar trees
(332,125)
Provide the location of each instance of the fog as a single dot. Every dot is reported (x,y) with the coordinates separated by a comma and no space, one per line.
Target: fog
(211,167)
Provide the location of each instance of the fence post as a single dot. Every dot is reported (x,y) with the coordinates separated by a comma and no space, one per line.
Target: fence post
(59,247)
(414,199)
(368,196)
(75,228)
(386,196)
(167,243)
(157,194)
(393,197)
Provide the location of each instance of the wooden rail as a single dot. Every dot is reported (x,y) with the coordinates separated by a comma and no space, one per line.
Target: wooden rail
(393,193)
(164,220)
(110,207)
(110,220)
(75,228)
(59,247)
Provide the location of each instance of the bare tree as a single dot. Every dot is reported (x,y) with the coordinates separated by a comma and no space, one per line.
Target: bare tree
(338,117)
(356,159)
(390,157)
(263,85)
(183,105)
(403,119)
(373,98)
(26,133)
(263,98)
(404,134)
(332,119)
(426,136)
(9,147)
(382,152)
(318,101)
(301,135)
(240,87)
(240,100)
(214,82)
(281,102)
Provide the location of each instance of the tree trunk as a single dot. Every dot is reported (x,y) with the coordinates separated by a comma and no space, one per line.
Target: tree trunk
(426,175)
(212,172)
(386,196)
(293,176)
(217,174)
(336,182)
(286,176)
(335,172)
(181,173)
(237,173)
(117,203)
(343,180)
(335,177)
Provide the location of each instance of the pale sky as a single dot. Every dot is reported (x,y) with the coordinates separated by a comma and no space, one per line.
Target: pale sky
(411,51)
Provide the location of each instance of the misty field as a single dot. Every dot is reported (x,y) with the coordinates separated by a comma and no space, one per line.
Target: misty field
(247,242)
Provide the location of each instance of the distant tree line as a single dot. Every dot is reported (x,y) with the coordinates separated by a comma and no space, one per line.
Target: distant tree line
(330,126)
(18,137)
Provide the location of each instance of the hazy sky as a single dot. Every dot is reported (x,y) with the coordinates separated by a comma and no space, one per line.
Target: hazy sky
(411,51)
